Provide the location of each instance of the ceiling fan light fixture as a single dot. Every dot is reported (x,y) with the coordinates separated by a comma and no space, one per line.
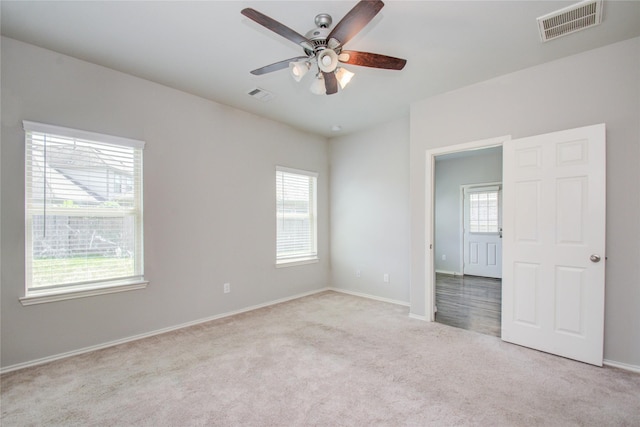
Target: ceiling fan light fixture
(327,60)
(318,87)
(344,76)
(323,47)
(299,69)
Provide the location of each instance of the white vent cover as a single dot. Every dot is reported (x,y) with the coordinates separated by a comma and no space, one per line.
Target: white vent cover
(261,94)
(570,19)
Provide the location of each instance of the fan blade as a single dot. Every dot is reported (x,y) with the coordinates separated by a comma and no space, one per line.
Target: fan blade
(354,21)
(330,83)
(277,27)
(276,66)
(373,60)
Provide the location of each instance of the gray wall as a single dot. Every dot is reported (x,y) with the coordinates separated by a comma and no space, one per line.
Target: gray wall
(601,85)
(209,200)
(452,171)
(370,211)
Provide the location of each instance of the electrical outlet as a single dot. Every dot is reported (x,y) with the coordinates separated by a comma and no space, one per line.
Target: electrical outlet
(227,288)
(385,278)
(358,273)
(444,257)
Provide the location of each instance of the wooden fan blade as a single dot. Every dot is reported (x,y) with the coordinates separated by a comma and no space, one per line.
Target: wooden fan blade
(354,21)
(373,60)
(330,83)
(277,27)
(276,66)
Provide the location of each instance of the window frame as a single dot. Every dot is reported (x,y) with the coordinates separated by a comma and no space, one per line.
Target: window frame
(87,288)
(312,255)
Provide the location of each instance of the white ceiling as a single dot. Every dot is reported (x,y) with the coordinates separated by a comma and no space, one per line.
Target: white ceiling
(207,48)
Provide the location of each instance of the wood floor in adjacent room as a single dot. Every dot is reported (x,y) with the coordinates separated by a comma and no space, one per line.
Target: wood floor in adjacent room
(469,302)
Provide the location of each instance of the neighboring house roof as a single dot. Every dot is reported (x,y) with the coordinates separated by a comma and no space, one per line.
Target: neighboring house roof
(77,173)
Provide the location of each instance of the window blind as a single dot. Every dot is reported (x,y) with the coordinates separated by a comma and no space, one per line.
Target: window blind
(295,214)
(83,208)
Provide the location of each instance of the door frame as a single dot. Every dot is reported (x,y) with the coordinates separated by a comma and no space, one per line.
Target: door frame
(430,272)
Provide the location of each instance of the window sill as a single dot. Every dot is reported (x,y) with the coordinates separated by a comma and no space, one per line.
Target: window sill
(42,297)
(295,262)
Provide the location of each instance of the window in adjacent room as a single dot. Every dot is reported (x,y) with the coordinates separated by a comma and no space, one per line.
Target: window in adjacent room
(483,211)
(296,216)
(83,213)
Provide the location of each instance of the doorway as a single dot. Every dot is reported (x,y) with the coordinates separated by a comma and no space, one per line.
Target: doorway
(553,266)
(468,254)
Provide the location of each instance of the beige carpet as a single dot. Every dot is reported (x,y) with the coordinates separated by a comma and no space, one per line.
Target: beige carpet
(330,360)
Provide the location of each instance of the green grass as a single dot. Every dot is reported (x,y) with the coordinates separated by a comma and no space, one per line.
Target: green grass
(59,271)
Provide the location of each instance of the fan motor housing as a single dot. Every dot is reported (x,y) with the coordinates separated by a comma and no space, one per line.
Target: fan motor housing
(318,36)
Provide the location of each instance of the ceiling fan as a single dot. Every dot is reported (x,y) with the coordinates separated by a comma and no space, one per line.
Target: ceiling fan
(323,47)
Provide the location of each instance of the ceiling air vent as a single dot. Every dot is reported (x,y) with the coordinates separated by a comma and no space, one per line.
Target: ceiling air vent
(261,94)
(570,19)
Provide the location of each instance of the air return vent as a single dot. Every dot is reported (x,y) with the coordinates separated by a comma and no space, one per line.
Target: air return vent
(570,19)
(261,94)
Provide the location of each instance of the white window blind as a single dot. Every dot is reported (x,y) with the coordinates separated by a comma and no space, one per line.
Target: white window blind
(483,212)
(296,215)
(83,209)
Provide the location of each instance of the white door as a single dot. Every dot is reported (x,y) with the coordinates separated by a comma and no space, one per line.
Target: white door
(482,236)
(554,243)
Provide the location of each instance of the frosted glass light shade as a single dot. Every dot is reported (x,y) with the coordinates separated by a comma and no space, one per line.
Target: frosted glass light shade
(298,70)
(344,77)
(327,60)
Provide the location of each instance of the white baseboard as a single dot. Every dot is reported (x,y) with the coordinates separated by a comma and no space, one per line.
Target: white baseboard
(450,273)
(418,317)
(89,349)
(620,365)
(374,297)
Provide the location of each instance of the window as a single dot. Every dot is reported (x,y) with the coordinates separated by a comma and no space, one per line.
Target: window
(483,212)
(83,213)
(296,216)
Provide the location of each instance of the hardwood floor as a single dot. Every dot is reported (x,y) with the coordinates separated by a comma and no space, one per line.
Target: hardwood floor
(469,302)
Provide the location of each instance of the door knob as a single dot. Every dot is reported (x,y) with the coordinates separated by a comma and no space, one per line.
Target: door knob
(595,258)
